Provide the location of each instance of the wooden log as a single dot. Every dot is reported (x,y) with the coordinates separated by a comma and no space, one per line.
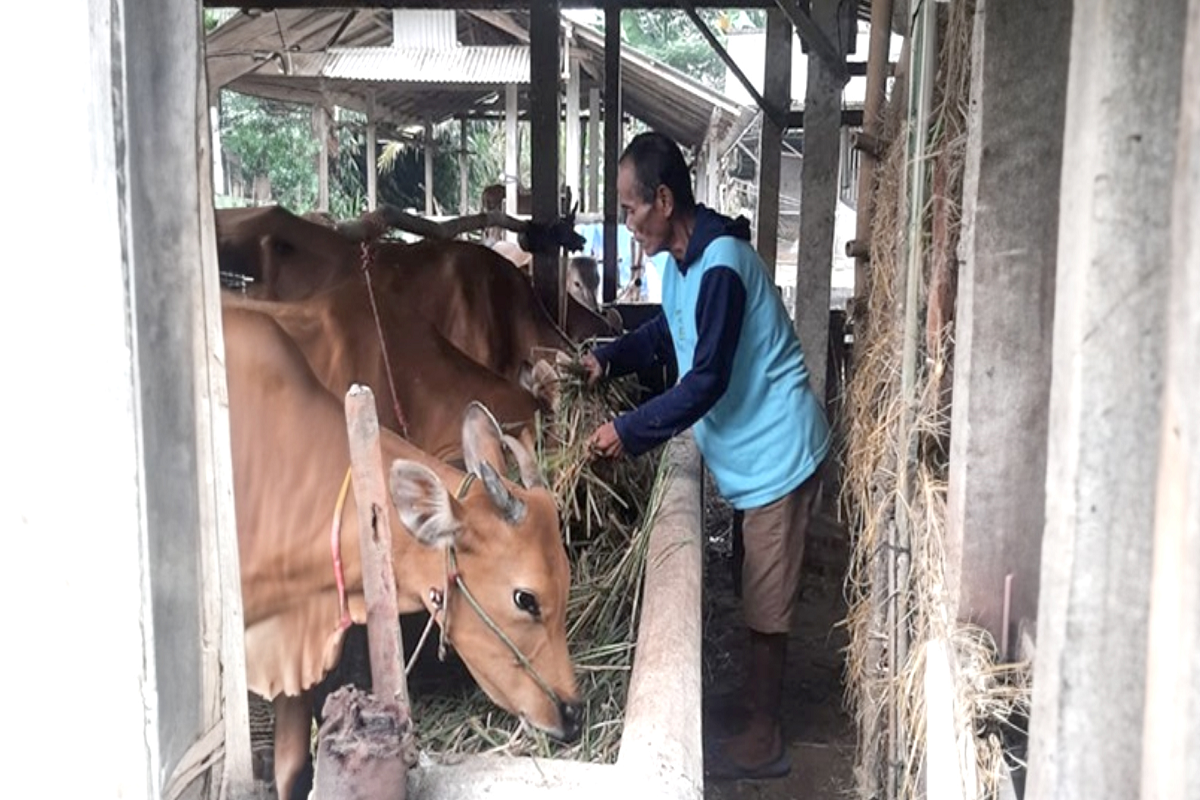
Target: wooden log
(375,542)
(359,749)
(365,745)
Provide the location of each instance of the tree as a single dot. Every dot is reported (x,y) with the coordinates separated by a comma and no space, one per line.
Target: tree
(671,37)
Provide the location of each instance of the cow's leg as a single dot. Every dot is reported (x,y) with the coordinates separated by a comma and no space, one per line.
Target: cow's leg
(293,744)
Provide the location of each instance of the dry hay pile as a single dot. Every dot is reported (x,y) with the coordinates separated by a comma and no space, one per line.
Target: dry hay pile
(607,508)
(896,458)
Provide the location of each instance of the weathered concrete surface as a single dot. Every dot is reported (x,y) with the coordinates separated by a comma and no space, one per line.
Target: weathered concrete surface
(1170,769)
(1005,309)
(818,202)
(1105,399)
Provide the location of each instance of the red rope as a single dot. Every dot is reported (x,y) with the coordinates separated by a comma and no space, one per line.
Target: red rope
(387,363)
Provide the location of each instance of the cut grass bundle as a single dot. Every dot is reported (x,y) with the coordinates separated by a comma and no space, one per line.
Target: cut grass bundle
(607,510)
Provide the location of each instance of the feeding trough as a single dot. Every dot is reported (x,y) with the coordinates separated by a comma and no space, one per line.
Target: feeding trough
(660,751)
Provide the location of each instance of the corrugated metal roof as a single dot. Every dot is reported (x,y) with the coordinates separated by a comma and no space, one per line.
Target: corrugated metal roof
(470,65)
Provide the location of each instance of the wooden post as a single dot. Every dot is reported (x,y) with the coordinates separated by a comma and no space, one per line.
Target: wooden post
(593,146)
(574,131)
(361,749)
(612,143)
(877,62)
(512,152)
(323,159)
(428,168)
(777,94)
(372,154)
(544,28)
(375,540)
(464,168)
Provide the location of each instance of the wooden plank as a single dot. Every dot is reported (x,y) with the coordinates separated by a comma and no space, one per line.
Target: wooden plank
(815,38)
(613,143)
(213,447)
(944,776)
(544,30)
(777,89)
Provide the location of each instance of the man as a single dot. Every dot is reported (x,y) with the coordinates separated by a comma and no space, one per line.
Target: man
(744,390)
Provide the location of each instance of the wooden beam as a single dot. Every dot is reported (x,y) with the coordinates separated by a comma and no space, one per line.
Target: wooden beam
(816,40)
(544,51)
(777,88)
(851,118)
(613,143)
(775,114)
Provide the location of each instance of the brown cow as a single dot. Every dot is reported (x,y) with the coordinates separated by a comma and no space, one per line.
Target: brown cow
(435,381)
(290,455)
(476,298)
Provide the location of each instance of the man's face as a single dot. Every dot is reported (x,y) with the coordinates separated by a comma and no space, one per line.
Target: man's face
(650,223)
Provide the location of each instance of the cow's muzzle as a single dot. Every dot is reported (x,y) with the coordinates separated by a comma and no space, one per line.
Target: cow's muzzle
(571,714)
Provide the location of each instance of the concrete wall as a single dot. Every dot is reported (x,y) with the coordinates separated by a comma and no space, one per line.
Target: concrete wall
(1005,309)
(110,498)
(1110,326)
(1170,768)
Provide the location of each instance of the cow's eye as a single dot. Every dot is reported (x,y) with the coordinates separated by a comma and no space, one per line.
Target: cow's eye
(527,601)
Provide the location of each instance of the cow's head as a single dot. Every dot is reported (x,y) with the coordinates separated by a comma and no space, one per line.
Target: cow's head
(502,542)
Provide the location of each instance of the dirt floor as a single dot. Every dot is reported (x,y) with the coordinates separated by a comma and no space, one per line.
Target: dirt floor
(816,728)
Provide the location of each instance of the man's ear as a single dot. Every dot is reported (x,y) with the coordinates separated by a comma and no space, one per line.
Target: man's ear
(666,198)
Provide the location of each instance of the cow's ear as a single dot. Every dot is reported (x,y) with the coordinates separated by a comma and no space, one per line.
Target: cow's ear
(482,440)
(424,505)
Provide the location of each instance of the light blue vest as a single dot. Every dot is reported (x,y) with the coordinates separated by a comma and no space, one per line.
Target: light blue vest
(767,433)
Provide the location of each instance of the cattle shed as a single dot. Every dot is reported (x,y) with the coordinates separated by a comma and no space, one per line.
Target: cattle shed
(1059,510)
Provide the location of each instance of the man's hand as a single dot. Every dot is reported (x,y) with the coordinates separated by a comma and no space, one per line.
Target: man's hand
(605,442)
(592,365)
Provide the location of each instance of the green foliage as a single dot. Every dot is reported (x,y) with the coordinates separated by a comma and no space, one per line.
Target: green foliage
(274,139)
(670,36)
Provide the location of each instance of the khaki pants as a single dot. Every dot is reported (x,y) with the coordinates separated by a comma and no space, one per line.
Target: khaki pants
(773,544)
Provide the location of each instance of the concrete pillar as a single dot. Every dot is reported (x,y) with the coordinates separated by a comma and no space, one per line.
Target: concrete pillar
(1005,310)
(1170,769)
(1106,394)
(818,201)
(777,93)
(109,486)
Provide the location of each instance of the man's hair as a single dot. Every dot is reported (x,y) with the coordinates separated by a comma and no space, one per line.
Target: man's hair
(657,161)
